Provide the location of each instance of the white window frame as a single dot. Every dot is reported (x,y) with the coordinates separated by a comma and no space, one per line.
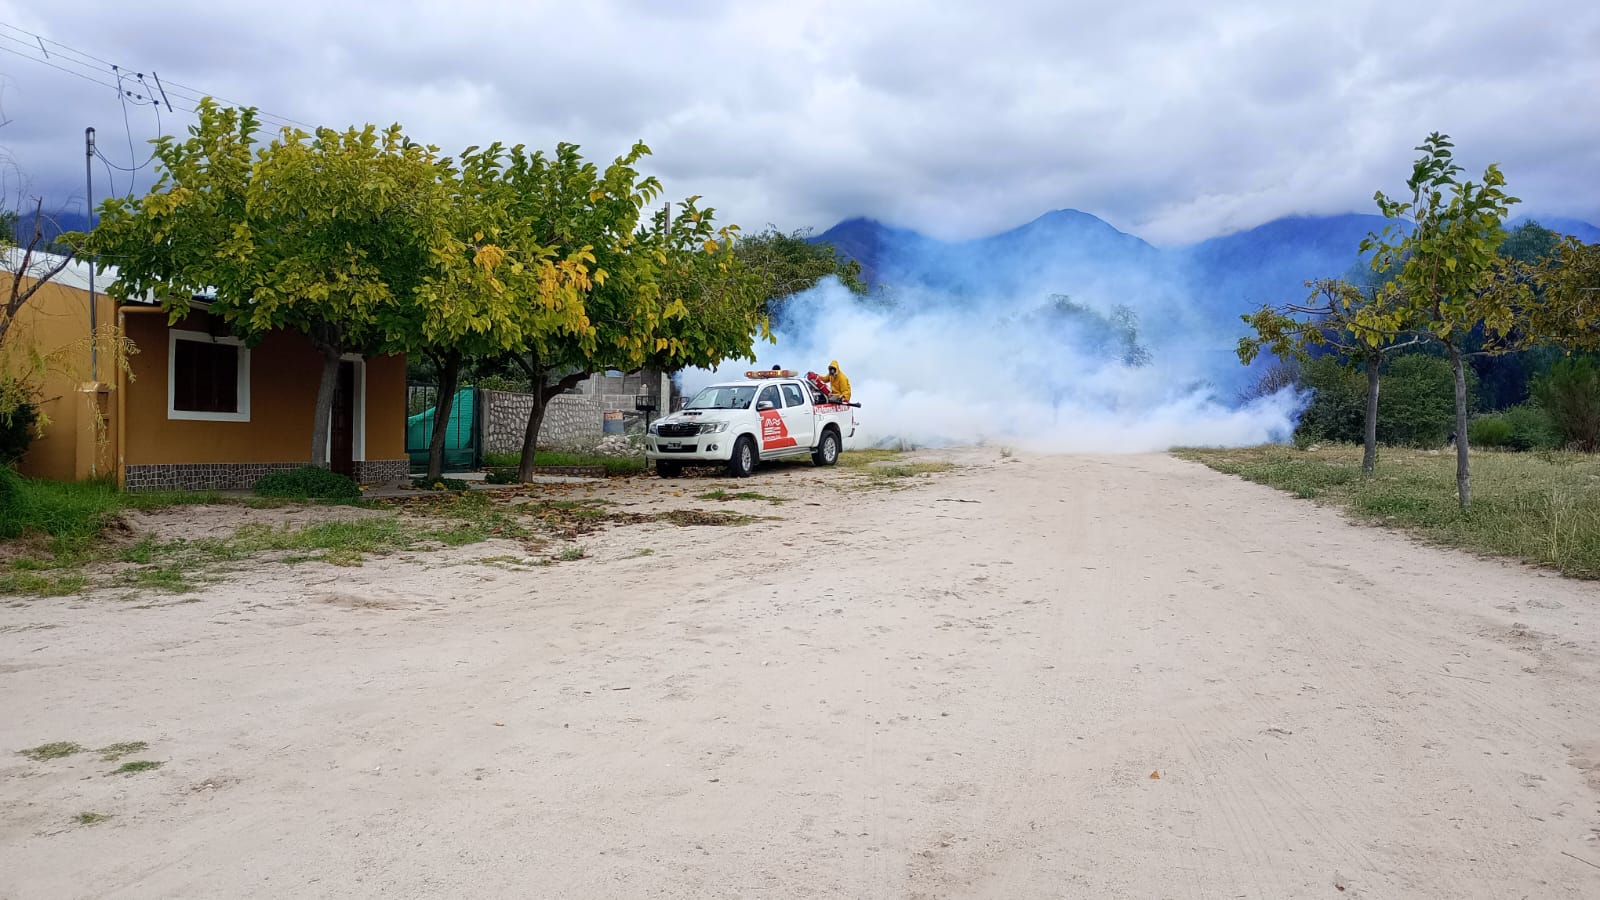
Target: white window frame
(358,448)
(174,335)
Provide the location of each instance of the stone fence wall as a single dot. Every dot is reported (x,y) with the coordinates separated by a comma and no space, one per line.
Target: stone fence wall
(571,422)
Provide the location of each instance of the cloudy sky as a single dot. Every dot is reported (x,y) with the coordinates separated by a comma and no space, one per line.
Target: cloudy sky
(1173,120)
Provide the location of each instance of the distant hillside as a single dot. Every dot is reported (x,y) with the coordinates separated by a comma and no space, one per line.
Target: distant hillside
(54,223)
(1069,251)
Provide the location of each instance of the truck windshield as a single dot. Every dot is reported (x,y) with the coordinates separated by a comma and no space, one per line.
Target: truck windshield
(735,397)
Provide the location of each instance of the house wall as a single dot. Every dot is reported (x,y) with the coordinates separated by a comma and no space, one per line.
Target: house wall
(285,371)
(55,324)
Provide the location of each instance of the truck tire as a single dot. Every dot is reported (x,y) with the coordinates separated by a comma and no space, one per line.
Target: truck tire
(743,461)
(827,452)
(668,469)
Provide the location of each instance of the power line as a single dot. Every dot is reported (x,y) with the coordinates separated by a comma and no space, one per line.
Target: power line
(44,40)
(259,112)
(52,65)
(97,64)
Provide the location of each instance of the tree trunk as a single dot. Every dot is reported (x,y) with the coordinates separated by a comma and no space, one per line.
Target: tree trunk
(449,369)
(542,395)
(530,437)
(1463,466)
(323,416)
(1369,455)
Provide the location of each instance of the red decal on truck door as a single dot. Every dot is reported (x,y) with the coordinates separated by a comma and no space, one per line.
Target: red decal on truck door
(774,436)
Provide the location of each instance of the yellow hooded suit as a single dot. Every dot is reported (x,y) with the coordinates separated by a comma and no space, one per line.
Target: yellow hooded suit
(837,381)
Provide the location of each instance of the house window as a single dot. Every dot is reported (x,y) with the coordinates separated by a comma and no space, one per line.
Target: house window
(208,379)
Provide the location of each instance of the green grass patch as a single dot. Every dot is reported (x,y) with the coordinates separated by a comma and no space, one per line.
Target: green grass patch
(53,750)
(136,766)
(862,458)
(90,818)
(724,495)
(114,752)
(452,521)
(571,554)
(55,585)
(614,465)
(1543,508)
(71,515)
(909,470)
(173,579)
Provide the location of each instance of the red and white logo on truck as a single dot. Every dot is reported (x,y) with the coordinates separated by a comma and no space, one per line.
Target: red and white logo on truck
(774,434)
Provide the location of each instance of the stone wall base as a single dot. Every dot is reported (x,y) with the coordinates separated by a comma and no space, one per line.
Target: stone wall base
(243,476)
(384,471)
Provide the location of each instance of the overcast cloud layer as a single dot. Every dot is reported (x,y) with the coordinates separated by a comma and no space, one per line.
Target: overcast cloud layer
(1172,120)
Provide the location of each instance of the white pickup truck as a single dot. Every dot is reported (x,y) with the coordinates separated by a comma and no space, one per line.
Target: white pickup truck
(740,423)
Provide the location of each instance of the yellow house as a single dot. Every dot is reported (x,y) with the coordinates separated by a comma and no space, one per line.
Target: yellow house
(195,408)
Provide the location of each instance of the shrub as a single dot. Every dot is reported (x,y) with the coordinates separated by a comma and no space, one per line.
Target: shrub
(16,432)
(498,383)
(1338,403)
(308,483)
(1489,431)
(1416,401)
(1531,428)
(500,476)
(1570,394)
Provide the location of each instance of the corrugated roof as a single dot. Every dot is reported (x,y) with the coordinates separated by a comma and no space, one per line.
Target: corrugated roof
(75,275)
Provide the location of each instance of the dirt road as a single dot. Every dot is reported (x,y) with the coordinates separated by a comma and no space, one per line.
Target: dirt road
(963,689)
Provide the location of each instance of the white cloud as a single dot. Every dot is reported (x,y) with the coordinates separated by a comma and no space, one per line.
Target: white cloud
(1173,120)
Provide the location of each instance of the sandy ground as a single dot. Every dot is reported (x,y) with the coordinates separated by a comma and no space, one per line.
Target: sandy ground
(964,689)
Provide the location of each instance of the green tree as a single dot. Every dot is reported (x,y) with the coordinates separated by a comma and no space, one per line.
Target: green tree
(570,203)
(1570,394)
(1568,310)
(788,264)
(1446,270)
(1362,325)
(1530,243)
(498,283)
(329,234)
(1417,406)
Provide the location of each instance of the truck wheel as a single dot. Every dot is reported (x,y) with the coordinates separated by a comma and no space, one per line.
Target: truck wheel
(827,452)
(743,461)
(668,469)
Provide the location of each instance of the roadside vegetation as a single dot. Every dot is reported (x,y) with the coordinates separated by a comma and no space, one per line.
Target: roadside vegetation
(1540,507)
(614,465)
(91,548)
(1451,332)
(69,516)
(887,468)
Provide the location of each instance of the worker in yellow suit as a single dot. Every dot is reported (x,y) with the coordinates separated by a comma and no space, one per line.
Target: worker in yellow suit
(838,384)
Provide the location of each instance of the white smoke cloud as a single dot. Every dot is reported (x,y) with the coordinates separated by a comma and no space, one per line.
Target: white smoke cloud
(934,371)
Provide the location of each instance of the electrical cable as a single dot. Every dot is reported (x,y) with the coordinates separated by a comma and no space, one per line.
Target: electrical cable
(183,91)
(59,68)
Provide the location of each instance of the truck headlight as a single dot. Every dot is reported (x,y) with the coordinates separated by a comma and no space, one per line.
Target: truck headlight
(713,427)
(654,428)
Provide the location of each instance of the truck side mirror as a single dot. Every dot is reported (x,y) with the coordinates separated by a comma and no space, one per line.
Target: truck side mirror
(763,406)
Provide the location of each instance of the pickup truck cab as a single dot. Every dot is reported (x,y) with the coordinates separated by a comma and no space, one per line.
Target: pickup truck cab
(740,423)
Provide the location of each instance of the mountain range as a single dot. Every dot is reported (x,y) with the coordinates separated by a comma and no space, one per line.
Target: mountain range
(1067,251)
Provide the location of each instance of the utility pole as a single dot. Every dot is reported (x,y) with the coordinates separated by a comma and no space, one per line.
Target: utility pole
(88,204)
